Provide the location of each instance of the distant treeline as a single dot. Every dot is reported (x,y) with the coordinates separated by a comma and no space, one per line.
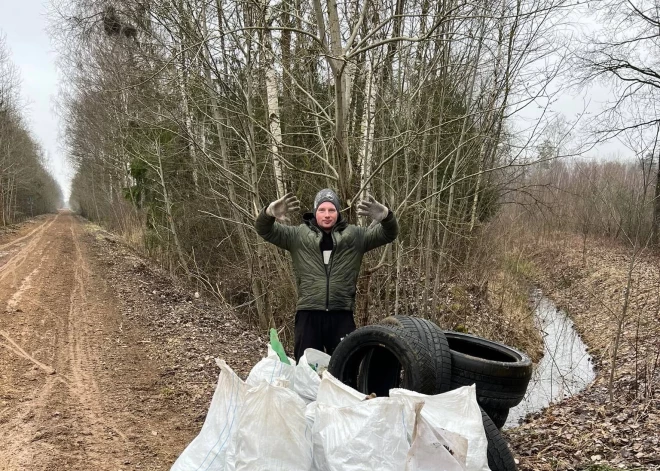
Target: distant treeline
(26,188)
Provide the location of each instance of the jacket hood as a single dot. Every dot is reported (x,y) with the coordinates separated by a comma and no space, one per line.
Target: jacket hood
(310,221)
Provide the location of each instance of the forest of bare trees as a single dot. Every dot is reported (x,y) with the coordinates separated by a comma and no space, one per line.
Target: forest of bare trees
(598,199)
(26,188)
(186,117)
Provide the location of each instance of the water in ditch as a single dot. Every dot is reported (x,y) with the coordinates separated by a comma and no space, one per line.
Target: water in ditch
(566,366)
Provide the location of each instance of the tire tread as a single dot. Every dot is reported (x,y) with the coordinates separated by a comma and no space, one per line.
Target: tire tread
(499,455)
(434,338)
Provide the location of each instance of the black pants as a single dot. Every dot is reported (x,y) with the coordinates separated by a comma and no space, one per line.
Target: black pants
(322,330)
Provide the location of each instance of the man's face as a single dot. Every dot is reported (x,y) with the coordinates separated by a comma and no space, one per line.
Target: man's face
(326,215)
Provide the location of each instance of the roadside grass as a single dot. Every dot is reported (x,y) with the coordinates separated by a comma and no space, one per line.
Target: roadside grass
(509,293)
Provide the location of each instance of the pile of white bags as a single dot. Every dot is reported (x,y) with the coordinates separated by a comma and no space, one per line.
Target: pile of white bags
(287,417)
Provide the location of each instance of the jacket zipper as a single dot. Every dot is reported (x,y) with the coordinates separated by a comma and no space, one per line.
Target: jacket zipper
(328,270)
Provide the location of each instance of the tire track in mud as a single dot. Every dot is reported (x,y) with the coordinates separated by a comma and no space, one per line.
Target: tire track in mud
(40,227)
(25,285)
(37,397)
(14,347)
(17,259)
(102,407)
(81,353)
(16,421)
(31,431)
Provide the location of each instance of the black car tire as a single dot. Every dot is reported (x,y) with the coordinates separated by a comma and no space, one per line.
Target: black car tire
(434,337)
(499,455)
(395,358)
(498,416)
(501,373)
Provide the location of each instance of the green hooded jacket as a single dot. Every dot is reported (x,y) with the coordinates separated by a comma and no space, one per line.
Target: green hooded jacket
(330,288)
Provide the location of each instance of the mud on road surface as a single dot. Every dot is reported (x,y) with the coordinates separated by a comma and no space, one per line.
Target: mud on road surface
(104,364)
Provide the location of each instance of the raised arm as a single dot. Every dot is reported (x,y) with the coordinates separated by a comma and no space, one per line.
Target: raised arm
(384,227)
(272,231)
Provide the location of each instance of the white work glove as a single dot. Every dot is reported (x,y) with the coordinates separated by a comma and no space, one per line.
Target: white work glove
(281,207)
(373,209)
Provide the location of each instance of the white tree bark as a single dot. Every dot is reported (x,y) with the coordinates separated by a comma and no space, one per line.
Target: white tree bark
(272,94)
(182,76)
(367,127)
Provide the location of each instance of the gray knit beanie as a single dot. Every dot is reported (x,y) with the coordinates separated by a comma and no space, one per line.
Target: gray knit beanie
(326,195)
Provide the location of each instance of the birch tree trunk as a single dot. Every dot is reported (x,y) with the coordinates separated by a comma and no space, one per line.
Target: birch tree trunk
(337,65)
(368,127)
(272,94)
(182,75)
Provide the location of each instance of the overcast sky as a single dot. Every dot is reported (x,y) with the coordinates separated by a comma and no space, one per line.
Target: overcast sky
(23,23)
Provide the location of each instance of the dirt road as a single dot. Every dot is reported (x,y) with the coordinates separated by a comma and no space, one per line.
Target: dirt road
(79,388)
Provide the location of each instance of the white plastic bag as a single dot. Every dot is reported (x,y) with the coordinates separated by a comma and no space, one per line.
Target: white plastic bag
(208,451)
(273,433)
(320,360)
(310,414)
(370,434)
(456,411)
(333,392)
(271,369)
(433,449)
(307,380)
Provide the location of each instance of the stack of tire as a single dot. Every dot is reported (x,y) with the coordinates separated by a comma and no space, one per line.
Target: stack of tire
(415,354)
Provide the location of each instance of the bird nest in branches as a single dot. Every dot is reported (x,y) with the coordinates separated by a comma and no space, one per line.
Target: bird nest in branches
(114,26)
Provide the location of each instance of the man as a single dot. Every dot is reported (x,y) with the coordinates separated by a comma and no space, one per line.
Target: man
(327,254)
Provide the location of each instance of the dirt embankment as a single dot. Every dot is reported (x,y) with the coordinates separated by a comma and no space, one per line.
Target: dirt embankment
(588,429)
(104,363)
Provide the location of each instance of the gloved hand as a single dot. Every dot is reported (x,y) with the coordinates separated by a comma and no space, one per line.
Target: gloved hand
(286,204)
(373,209)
